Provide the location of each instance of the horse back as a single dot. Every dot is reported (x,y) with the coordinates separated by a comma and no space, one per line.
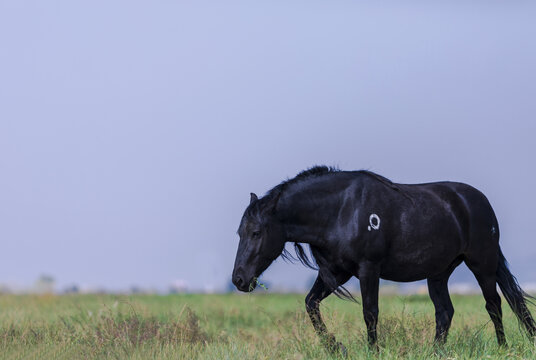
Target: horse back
(472,210)
(429,225)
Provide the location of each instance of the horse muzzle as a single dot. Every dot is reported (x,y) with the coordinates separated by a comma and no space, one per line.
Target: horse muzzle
(243,283)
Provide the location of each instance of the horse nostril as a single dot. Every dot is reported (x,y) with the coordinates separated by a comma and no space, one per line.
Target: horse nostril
(239,282)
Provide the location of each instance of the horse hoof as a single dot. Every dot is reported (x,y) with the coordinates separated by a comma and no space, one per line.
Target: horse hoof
(343,350)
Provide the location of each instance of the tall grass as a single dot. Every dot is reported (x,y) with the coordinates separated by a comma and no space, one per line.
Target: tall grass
(259,326)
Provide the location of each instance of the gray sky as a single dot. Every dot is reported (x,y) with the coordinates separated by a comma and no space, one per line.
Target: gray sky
(131,132)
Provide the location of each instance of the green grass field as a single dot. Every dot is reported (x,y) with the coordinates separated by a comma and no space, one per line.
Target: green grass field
(258,326)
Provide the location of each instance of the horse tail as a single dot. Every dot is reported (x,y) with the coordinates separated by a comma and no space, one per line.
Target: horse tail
(515,296)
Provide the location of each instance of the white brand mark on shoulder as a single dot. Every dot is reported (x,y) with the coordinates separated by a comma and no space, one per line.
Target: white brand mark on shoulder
(374,221)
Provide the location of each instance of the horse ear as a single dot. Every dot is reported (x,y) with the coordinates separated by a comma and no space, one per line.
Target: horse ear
(253,198)
(273,203)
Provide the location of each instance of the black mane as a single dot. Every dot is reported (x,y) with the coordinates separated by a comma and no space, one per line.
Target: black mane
(320,170)
(315,171)
(276,191)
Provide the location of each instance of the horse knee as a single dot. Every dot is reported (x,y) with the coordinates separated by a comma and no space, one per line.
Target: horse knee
(371,316)
(442,318)
(450,313)
(311,303)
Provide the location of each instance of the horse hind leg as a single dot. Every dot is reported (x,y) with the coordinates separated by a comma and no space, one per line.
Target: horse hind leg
(439,293)
(485,273)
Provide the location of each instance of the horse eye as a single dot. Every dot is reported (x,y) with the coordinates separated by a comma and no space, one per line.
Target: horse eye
(256,234)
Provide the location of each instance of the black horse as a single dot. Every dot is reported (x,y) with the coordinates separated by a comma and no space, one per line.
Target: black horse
(358,223)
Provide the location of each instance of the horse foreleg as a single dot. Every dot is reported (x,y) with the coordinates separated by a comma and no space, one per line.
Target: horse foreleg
(318,292)
(369,279)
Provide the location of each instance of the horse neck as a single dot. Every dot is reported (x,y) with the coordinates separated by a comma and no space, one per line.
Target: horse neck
(306,217)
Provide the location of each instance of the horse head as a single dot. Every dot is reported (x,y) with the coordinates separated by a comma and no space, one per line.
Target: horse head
(262,240)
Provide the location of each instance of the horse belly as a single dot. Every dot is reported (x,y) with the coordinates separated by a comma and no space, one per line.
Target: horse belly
(416,268)
(422,255)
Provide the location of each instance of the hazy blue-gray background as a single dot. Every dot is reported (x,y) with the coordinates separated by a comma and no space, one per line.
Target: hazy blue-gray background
(131,132)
